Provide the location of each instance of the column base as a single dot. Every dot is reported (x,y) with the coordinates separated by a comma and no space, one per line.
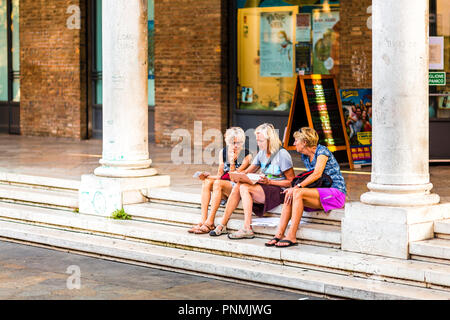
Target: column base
(400,195)
(387,231)
(118,172)
(103,195)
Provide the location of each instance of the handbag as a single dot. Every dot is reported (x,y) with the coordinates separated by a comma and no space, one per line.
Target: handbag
(324,181)
(225,176)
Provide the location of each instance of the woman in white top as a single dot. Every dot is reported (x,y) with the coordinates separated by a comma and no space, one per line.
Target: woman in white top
(234,157)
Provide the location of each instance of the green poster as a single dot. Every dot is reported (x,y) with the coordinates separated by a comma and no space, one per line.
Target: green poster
(325,41)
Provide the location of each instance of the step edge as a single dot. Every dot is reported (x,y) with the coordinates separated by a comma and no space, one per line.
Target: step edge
(312,259)
(326,288)
(33,180)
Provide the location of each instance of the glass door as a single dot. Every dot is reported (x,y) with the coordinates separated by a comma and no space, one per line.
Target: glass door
(439,99)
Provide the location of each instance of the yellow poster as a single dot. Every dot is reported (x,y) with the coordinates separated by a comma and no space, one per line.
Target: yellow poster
(268,92)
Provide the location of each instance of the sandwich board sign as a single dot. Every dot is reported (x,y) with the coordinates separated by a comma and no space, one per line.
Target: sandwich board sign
(316,104)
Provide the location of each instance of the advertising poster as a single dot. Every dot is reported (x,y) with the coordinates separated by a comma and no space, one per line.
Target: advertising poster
(357,105)
(303,58)
(325,41)
(303,30)
(276,47)
(436,53)
(151,53)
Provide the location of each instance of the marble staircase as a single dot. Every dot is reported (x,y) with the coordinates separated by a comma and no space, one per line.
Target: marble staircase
(157,236)
(39,191)
(436,249)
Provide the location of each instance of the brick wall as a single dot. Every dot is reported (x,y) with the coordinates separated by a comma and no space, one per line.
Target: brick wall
(355,45)
(53,78)
(191,46)
(190,66)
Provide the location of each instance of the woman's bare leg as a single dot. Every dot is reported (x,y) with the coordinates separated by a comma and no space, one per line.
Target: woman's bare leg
(250,194)
(221,188)
(207,186)
(286,214)
(233,201)
(301,197)
(284,220)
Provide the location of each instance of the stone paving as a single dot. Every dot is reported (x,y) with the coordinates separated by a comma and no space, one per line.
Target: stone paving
(33,273)
(67,158)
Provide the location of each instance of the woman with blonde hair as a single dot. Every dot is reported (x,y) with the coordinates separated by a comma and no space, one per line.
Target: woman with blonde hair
(298,198)
(234,157)
(276,165)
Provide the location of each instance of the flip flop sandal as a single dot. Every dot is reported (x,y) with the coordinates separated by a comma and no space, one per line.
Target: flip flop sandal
(197,226)
(289,242)
(267,244)
(204,229)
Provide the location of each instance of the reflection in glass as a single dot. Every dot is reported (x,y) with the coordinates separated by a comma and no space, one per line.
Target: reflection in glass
(278,39)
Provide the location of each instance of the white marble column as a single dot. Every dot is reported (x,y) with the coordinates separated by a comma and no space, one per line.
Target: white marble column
(400,174)
(399,207)
(125,174)
(125,94)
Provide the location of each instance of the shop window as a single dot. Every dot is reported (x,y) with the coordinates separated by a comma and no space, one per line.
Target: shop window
(439,107)
(9,51)
(3,51)
(278,39)
(98,53)
(15,51)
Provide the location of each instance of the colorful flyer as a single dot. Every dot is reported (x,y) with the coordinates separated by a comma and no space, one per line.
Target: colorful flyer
(357,109)
(276,47)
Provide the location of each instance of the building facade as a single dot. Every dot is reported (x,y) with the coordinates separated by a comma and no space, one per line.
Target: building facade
(219,62)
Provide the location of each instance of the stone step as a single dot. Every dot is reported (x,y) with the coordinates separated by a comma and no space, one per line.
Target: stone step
(320,234)
(184,196)
(37,196)
(442,229)
(317,258)
(436,250)
(42,182)
(280,276)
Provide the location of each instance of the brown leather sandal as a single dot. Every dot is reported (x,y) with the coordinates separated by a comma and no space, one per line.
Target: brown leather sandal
(204,229)
(197,226)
